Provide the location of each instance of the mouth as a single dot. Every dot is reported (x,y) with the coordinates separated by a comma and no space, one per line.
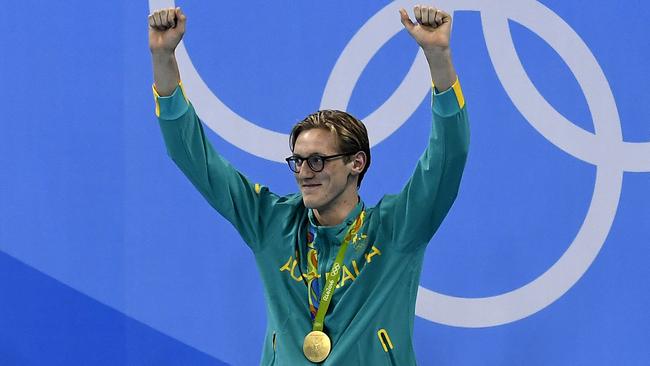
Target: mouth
(309,187)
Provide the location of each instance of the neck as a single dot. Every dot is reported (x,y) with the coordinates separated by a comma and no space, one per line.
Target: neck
(335,213)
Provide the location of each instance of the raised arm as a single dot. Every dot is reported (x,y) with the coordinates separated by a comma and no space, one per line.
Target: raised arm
(432,31)
(413,216)
(246,205)
(166,29)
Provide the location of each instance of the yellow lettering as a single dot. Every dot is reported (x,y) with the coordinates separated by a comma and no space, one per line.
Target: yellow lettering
(287,266)
(310,276)
(293,271)
(354,266)
(347,275)
(290,267)
(374,252)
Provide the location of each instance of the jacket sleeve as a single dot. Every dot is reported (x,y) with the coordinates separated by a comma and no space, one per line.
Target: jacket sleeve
(246,205)
(411,217)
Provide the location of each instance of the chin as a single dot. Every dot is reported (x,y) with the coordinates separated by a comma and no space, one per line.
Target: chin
(312,201)
(309,202)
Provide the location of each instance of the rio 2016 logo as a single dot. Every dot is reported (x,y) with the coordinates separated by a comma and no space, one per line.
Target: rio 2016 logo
(604,149)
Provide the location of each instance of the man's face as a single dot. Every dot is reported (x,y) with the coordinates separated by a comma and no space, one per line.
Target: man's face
(322,190)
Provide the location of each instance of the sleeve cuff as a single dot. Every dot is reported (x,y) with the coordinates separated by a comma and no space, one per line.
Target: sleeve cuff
(173,106)
(450,101)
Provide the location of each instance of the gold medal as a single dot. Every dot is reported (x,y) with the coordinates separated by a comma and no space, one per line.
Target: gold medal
(317,346)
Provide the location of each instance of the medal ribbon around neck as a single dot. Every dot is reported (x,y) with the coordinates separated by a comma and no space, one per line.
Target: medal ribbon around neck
(317,345)
(335,273)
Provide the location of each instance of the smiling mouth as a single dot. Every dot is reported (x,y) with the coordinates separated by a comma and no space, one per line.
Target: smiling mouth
(308,186)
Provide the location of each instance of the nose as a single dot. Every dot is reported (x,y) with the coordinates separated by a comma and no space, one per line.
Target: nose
(305,171)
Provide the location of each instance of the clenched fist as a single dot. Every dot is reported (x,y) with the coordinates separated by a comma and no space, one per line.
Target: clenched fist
(432,29)
(166,29)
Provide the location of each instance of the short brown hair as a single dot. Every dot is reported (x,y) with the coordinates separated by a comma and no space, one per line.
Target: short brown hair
(351,133)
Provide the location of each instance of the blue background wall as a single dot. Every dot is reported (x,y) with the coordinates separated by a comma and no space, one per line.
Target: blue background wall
(108,256)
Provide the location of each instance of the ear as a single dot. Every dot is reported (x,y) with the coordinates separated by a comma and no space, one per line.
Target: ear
(358,162)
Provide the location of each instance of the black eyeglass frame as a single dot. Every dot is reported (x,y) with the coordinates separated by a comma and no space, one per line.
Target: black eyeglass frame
(298,161)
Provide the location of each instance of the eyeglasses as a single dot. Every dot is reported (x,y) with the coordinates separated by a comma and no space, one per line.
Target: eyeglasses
(316,162)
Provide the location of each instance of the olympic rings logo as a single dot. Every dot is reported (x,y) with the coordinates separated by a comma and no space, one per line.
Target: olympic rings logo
(605,148)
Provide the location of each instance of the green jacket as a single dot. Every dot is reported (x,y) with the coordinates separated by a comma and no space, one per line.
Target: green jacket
(370,319)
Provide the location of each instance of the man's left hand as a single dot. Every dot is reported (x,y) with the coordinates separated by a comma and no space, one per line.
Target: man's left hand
(432,28)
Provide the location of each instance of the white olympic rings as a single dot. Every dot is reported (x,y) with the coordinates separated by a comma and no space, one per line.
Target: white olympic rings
(605,148)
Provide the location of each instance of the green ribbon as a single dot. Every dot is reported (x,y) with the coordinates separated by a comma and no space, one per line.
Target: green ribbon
(335,273)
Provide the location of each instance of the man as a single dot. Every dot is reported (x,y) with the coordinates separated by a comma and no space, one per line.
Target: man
(340,278)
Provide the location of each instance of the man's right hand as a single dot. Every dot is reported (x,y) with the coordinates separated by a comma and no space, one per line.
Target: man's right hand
(166,29)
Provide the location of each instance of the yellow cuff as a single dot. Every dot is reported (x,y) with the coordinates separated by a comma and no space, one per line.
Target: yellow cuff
(157,96)
(458,92)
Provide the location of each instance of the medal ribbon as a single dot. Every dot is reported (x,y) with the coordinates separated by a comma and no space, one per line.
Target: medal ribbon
(335,273)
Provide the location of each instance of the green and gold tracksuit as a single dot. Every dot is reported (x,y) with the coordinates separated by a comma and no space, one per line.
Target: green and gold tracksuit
(370,319)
